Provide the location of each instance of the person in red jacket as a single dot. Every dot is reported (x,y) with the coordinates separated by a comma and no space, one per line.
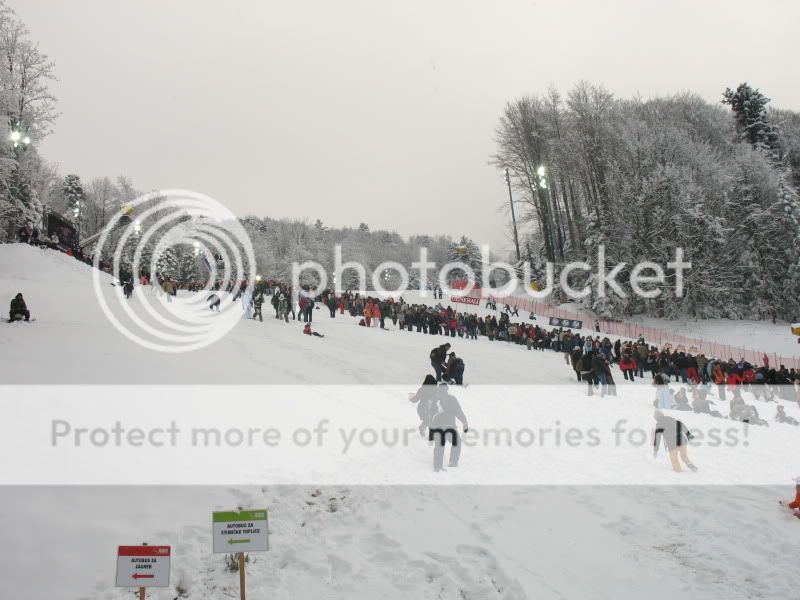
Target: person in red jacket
(627,365)
(734,379)
(307,331)
(795,504)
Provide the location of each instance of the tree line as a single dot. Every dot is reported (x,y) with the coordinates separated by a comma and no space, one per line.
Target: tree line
(642,177)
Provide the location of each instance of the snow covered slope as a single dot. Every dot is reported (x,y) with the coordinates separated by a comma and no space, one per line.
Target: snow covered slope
(660,535)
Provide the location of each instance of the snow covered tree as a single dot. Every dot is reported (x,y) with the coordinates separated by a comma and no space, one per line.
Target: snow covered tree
(74,196)
(168,262)
(465,251)
(749,107)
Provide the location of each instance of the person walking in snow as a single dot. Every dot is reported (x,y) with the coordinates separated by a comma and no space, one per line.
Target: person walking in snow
(446,410)
(675,435)
(258,302)
(424,399)
(283,307)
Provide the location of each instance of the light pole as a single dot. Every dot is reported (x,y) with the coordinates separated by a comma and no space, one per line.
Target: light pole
(513,216)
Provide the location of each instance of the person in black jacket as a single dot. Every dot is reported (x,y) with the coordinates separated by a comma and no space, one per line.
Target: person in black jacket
(19,310)
(258,303)
(676,436)
(446,409)
(586,373)
(438,358)
(424,400)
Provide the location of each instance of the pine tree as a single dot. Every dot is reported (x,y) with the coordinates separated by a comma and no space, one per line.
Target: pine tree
(167,263)
(749,107)
(73,193)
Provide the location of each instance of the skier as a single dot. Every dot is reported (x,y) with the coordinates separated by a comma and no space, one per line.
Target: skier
(676,436)
(443,423)
(18,310)
(438,356)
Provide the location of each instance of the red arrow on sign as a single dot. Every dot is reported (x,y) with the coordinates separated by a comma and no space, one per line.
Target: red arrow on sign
(140,576)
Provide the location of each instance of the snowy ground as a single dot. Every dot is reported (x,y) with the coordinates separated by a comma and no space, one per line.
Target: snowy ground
(545,521)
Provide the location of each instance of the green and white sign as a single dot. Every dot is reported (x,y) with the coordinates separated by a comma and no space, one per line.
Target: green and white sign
(240,531)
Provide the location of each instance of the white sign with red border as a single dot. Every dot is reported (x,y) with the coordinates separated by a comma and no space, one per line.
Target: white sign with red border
(466,300)
(143,566)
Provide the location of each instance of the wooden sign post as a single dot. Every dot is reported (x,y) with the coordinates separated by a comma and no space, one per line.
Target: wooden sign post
(242,587)
(240,531)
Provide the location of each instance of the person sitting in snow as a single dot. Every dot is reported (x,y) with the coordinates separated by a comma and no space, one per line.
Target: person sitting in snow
(19,310)
(795,504)
(307,331)
(782,417)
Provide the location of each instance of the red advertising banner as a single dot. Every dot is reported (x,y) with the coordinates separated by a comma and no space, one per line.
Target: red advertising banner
(144,551)
(466,300)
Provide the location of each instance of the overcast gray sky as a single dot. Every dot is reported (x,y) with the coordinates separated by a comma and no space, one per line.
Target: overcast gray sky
(380,111)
